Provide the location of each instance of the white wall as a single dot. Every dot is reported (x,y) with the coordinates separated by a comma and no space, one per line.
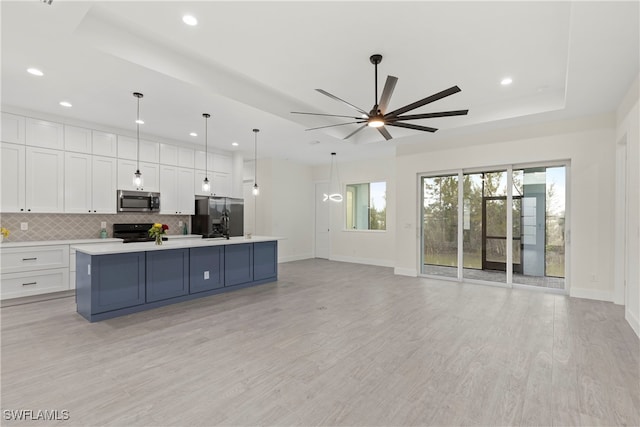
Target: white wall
(365,247)
(627,130)
(284,206)
(588,143)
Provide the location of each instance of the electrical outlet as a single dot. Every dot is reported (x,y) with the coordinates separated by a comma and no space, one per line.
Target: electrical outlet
(206,275)
(179,223)
(24,226)
(103,224)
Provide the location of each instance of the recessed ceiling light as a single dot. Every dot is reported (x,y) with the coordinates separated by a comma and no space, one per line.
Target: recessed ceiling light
(193,134)
(506,81)
(35,72)
(65,104)
(235,144)
(190,20)
(140,121)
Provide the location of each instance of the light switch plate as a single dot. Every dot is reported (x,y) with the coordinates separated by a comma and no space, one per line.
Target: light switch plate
(206,275)
(179,223)
(24,226)
(103,224)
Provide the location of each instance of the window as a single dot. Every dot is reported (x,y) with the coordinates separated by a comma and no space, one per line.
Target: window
(367,206)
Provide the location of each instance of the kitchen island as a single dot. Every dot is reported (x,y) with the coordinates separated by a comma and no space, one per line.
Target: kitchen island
(115,279)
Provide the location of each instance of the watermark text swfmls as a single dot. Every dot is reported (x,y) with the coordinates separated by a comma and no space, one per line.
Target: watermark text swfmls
(35,414)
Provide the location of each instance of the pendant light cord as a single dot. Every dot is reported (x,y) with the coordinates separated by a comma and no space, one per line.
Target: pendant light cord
(206,144)
(138,134)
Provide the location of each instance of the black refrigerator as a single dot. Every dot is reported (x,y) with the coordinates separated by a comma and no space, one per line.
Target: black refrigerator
(218,217)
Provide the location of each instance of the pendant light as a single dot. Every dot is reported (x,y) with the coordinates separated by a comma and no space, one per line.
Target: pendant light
(206,186)
(335,195)
(137,176)
(256,189)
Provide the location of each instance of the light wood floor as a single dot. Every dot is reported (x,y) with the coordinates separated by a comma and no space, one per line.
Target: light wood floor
(330,344)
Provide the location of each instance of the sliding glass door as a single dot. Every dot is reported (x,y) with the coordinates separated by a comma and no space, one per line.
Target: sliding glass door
(440,225)
(467,216)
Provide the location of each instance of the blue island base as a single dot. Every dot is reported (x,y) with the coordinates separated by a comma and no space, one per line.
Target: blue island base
(113,285)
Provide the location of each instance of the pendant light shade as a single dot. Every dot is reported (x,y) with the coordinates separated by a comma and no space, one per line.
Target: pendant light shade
(137,176)
(335,193)
(206,185)
(256,189)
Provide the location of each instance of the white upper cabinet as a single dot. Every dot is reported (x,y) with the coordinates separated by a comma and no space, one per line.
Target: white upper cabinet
(149,151)
(176,191)
(104,144)
(13,178)
(77,183)
(186,196)
(44,180)
(168,154)
(149,171)
(199,161)
(222,163)
(103,184)
(198,177)
(127,148)
(41,133)
(13,128)
(185,157)
(89,184)
(221,184)
(168,189)
(77,139)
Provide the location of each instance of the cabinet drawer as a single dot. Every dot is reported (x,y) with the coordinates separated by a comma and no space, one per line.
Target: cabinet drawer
(35,282)
(16,260)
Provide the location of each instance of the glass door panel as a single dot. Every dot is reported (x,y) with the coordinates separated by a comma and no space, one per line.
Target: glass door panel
(484,236)
(440,225)
(542,210)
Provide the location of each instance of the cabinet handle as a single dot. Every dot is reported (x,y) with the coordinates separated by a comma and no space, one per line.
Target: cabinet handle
(28,210)
(21,210)
(30,259)
(31,283)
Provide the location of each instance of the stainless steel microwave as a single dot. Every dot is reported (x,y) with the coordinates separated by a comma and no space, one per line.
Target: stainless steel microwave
(138,201)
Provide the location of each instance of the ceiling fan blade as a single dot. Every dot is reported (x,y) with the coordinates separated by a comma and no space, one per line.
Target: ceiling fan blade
(410,126)
(432,115)
(330,126)
(424,101)
(328,115)
(389,86)
(359,110)
(385,133)
(355,131)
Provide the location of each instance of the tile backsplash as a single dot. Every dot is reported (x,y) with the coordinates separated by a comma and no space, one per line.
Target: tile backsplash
(79,226)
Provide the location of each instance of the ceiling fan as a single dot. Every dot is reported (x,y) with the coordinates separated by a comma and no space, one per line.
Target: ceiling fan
(378,117)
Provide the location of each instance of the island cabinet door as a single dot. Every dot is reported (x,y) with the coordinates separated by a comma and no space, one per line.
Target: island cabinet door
(117,281)
(238,264)
(265,260)
(167,274)
(206,269)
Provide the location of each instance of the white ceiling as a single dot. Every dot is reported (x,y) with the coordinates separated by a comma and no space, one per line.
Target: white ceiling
(250,64)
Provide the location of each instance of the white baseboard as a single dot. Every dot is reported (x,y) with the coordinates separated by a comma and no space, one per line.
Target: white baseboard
(282,259)
(633,321)
(411,272)
(591,294)
(367,261)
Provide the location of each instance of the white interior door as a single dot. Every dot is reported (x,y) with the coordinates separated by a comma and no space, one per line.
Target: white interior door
(322,221)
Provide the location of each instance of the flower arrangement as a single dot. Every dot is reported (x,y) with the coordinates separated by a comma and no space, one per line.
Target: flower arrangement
(4,233)
(158,230)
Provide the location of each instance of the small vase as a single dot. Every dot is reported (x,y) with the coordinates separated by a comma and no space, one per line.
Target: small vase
(159,239)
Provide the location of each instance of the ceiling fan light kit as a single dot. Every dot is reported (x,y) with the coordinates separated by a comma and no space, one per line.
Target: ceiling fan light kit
(378,117)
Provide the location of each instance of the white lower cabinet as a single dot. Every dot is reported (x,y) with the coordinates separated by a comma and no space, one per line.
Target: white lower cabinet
(33,270)
(34,282)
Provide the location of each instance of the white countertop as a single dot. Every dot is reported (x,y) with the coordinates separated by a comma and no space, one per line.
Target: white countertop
(58,242)
(118,248)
